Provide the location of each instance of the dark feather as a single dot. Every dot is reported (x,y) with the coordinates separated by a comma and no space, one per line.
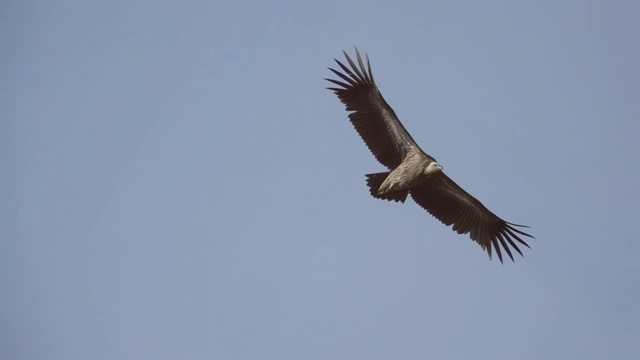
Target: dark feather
(375,180)
(372,117)
(449,203)
(394,148)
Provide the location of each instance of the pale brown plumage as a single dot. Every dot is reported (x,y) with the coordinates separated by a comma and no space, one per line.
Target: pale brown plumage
(412,171)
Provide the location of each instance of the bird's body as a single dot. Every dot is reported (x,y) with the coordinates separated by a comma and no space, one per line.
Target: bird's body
(411,170)
(414,171)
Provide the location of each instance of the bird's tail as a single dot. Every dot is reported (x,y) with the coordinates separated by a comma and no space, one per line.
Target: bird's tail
(375,180)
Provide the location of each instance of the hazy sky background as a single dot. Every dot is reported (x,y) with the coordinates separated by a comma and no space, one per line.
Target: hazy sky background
(178,184)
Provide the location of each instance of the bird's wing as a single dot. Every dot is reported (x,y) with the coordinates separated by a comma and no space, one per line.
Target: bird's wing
(370,114)
(450,204)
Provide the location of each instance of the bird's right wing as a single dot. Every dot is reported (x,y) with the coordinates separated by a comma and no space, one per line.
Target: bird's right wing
(449,203)
(373,118)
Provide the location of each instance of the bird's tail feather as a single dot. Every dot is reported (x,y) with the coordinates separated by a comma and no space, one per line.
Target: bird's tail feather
(375,180)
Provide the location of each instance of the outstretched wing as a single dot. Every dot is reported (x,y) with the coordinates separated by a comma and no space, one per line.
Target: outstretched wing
(450,204)
(370,114)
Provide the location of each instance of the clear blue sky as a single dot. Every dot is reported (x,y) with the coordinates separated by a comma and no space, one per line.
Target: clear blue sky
(178,184)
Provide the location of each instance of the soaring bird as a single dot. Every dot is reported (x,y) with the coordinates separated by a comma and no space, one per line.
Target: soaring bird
(411,170)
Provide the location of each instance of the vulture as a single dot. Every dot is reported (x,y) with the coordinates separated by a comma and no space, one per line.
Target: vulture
(411,170)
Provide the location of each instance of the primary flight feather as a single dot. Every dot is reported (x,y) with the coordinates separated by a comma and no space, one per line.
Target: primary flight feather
(411,170)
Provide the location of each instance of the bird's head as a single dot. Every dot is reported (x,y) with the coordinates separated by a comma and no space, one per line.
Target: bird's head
(433,168)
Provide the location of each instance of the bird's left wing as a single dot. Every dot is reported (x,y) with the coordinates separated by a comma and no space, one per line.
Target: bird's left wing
(449,203)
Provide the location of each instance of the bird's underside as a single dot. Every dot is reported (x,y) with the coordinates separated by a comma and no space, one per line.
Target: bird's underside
(411,170)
